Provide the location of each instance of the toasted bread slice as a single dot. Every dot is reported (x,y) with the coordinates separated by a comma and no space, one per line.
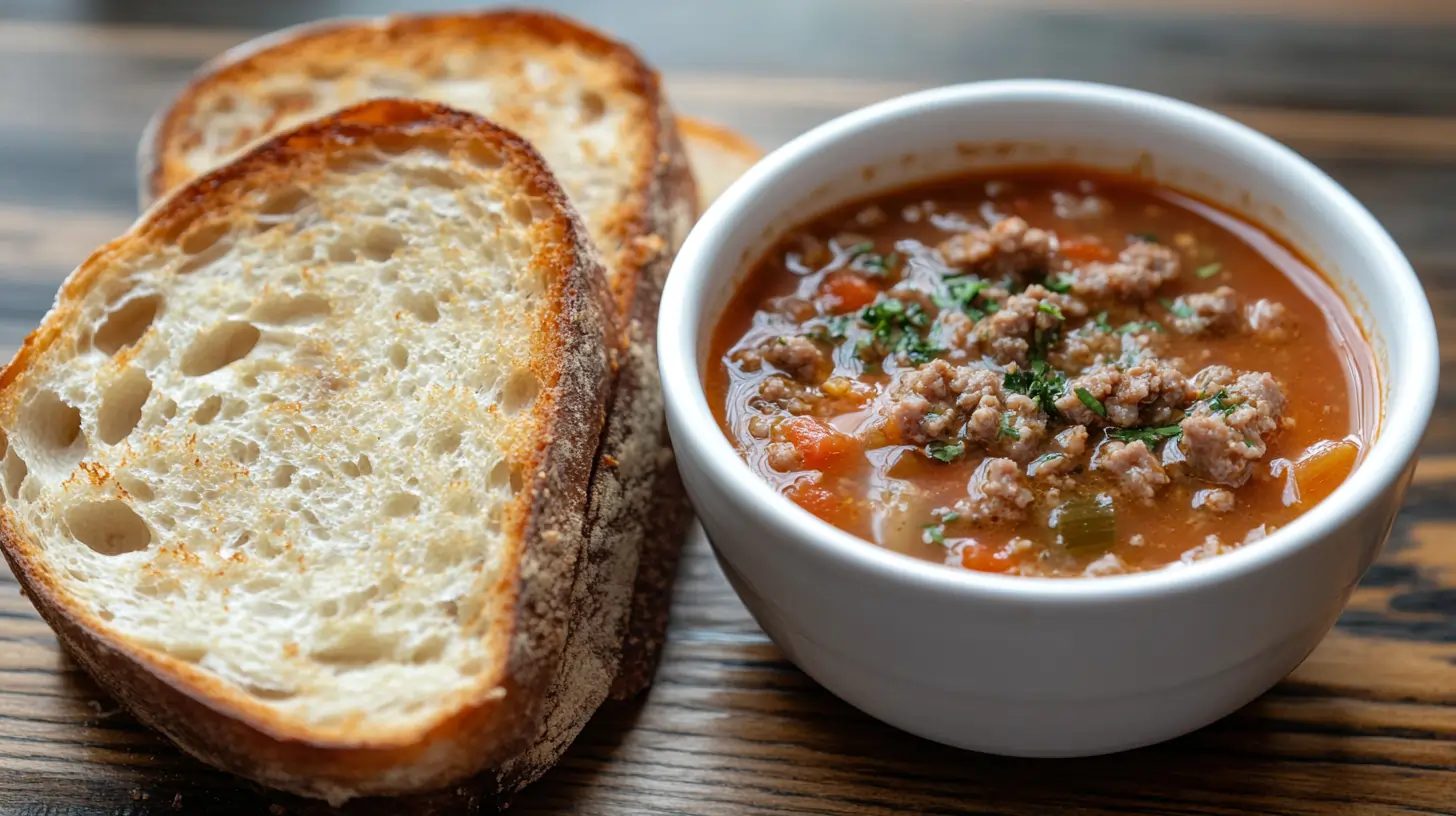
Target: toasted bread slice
(717,155)
(598,115)
(297,467)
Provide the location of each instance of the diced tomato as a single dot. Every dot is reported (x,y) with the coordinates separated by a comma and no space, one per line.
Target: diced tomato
(981,558)
(846,292)
(1085,251)
(813,497)
(823,447)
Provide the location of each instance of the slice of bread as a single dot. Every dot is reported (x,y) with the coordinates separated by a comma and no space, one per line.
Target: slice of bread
(297,467)
(717,155)
(598,115)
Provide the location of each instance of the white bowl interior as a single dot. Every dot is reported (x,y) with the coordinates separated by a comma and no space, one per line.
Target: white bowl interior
(939,132)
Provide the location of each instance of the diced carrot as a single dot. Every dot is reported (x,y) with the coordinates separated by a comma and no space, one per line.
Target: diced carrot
(823,447)
(813,497)
(1323,466)
(1085,251)
(981,558)
(845,292)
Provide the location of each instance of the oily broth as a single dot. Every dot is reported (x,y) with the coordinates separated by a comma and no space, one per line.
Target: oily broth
(1327,371)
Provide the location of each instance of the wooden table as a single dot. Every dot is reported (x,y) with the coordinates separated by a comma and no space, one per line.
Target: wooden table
(1366,90)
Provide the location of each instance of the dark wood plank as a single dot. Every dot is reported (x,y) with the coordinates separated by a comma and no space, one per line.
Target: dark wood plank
(1366,725)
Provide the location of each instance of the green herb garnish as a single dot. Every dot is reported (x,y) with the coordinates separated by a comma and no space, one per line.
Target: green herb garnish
(1007,429)
(945,451)
(1140,326)
(1149,436)
(934,534)
(964,291)
(1060,282)
(1100,321)
(1147,237)
(1208,271)
(1179,309)
(1050,308)
(895,328)
(1219,403)
(876,265)
(1040,381)
(1093,404)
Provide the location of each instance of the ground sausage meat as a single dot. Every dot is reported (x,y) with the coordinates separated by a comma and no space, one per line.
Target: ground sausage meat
(1008,247)
(1135,467)
(1136,274)
(1148,392)
(1215,312)
(996,494)
(1025,322)
(797,356)
(1226,432)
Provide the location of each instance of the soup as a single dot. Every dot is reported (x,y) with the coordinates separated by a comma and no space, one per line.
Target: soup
(1049,371)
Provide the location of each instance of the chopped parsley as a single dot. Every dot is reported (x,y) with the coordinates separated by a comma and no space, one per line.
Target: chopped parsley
(1007,429)
(1219,403)
(830,332)
(1179,309)
(1149,436)
(875,264)
(1147,237)
(945,451)
(1040,381)
(1209,270)
(1093,404)
(934,534)
(965,292)
(1100,321)
(1060,283)
(1137,326)
(895,328)
(856,250)
(1050,308)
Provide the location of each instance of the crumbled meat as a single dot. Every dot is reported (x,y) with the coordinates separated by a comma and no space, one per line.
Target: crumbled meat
(797,356)
(760,426)
(1108,564)
(1071,207)
(996,494)
(1135,467)
(1036,314)
(1147,392)
(789,395)
(1068,447)
(1009,247)
(1221,444)
(1010,424)
(793,307)
(784,457)
(1090,346)
(1216,500)
(1136,274)
(1270,321)
(1211,546)
(747,359)
(1215,312)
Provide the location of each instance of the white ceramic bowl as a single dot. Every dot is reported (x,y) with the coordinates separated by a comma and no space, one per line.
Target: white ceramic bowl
(1035,666)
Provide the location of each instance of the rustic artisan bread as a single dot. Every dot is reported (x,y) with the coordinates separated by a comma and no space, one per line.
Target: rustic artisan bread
(597,114)
(297,467)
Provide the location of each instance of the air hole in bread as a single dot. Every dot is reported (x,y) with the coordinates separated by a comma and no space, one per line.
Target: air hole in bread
(169,409)
(244,452)
(365,466)
(121,406)
(326,70)
(420,304)
(392,144)
(401,504)
(126,324)
(207,411)
(287,201)
(381,242)
(109,527)
(302,433)
(409,440)
(204,237)
(280,309)
(106,615)
(343,250)
(592,107)
(446,442)
(165,522)
(225,103)
(54,424)
(283,475)
(520,391)
(435,177)
(219,346)
(428,651)
(462,503)
(187,652)
(388,275)
(13,471)
(398,357)
(134,487)
(519,209)
(349,469)
(308,516)
(485,155)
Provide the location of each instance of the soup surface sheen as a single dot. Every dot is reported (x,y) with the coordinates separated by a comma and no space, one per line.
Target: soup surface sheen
(1050,371)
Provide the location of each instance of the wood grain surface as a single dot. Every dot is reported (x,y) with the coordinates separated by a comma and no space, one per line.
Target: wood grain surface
(1365,89)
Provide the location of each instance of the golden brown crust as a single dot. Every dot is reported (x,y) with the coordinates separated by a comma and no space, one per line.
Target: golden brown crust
(212,720)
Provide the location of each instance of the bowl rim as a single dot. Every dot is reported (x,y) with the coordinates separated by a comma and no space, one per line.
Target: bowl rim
(1401,426)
